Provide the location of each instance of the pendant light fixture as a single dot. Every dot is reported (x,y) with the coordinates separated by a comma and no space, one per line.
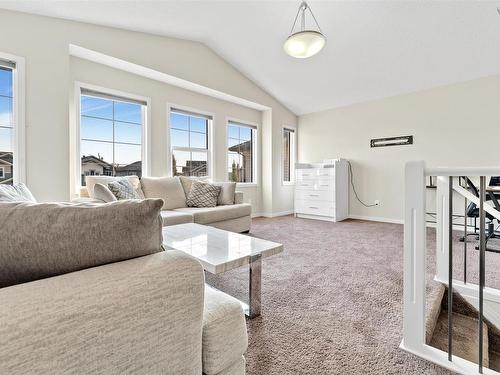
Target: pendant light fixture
(304,43)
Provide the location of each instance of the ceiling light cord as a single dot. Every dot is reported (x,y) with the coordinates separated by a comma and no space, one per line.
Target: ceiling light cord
(302,8)
(354,189)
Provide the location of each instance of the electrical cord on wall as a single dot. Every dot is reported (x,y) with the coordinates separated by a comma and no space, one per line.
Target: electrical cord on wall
(354,189)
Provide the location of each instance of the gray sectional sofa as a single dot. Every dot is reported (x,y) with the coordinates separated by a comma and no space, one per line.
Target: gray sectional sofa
(230,214)
(88,289)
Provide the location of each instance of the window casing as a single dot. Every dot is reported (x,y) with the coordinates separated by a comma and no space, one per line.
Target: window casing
(189,143)
(288,155)
(111,135)
(241,152)
(7,122)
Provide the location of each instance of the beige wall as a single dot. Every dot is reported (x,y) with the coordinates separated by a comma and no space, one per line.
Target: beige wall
(50,75)
(455,125)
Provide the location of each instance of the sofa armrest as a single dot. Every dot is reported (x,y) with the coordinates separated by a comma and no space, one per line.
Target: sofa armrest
(238,197)
(141,316)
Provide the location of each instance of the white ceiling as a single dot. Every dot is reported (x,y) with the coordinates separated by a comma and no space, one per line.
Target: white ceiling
(375,49)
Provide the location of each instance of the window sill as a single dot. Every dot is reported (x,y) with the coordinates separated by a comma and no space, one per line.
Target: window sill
(246,185)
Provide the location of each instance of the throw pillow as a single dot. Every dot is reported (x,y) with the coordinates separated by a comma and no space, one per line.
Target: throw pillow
(90,181)
(227,191)
(47,239)
(102,193)
(203,195)
(123,189)
(16,193)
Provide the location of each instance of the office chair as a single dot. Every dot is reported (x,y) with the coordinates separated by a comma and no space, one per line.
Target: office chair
(473,212)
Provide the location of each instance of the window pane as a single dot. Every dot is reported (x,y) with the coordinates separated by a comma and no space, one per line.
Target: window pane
(179,162)
(231,142)
(128,133)
(198,140)
(96,107)
(128,112)
(234,166)
(246,152)
(245,133)
(198,164)
(5,111)
(5,140)
(179,138)
(198,124)
(286,155)
(96,159)
(5,82)
(233,132)
(178,121)
(127,160)
(96,129)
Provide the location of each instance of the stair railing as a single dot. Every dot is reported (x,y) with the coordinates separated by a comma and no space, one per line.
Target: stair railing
(415,258)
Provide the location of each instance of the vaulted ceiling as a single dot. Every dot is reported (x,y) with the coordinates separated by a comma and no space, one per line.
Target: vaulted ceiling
(375,49)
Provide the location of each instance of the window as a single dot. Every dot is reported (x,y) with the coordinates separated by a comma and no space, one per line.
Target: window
(189,143)
(288,154)
(111,135)
(241,152)
(7,69)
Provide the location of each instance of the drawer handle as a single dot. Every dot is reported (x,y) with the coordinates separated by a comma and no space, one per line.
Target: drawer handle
(316,208)
(303,174)
(324,185)
(305,184)
(314,195)
(323,175)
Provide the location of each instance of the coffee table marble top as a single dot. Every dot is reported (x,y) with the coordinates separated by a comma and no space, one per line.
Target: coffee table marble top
(217,250)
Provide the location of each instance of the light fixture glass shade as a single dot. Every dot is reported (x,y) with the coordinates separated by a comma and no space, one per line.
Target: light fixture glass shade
(304,44)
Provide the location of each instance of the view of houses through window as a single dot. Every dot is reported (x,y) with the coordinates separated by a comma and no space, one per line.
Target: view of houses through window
(189,143)
(240,152)
(288,154)
(110,135)
(6,123)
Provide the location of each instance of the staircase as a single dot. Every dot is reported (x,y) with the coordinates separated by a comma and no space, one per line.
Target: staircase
(465,329)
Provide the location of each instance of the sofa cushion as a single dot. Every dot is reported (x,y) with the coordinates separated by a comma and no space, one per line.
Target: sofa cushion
(224,337)
(227,193)
(203,195)
(90,181)
(15,193)
(174,217)
(219,213)
(123,189)
(167,188)
(46,239)
(103,193)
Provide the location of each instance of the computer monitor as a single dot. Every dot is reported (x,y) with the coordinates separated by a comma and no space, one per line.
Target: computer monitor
(495,181)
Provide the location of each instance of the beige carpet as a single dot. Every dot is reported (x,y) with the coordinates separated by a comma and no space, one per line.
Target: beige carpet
(332,302)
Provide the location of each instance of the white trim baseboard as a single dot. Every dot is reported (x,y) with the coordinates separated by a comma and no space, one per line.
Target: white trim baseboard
(376,218)
(271,214)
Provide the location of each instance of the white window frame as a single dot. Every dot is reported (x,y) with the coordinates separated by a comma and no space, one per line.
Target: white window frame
(171,107)
(18,116)
(293,155)
(255,159)
(76,140)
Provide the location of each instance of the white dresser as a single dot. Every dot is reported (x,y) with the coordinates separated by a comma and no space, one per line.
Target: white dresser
(322,190)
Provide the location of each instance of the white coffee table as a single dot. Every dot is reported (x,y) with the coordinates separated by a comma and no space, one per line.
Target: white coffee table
(220,251)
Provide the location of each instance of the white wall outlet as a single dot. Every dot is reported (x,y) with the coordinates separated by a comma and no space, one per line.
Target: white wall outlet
(377,202)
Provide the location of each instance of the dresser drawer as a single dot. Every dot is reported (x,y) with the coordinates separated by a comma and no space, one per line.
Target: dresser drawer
(315,195)
(313,173)
(315,184)
(314,207)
